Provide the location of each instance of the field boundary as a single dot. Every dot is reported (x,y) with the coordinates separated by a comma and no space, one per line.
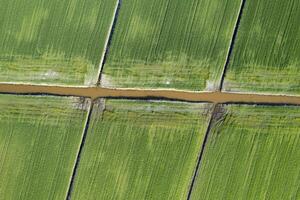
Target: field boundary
(79,152)
(108,40)
(201,151)
(232,42)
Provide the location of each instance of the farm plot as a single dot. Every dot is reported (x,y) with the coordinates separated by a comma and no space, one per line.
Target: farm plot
(39,141)
(53,41)
(141,150)
(170,44)
(252,153)
(266,54)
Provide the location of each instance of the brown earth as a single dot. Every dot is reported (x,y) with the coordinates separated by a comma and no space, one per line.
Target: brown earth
(97,92)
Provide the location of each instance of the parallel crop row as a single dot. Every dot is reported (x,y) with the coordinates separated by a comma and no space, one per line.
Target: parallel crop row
(146,149)
(154,44)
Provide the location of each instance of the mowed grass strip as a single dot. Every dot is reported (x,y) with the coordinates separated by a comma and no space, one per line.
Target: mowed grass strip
(170,44)
(266,54)
(53,41)
(252,153)
(141,150)
(39,141)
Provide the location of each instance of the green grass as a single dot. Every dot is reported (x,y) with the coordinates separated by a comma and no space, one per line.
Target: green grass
(266,54)
(170,44)
(141,150)
(53,41)
(252,153)
(39,141)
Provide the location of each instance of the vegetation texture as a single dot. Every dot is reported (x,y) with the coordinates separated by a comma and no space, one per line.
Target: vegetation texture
(53,41)
(252,153)
(141,150)
(39,141)
(170,44)
(266,54)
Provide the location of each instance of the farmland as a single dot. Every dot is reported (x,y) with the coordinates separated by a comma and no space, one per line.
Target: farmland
(52,41)
(141,150)
(266,53)
(39,140)
(112,99)
(252,153)
(170,44)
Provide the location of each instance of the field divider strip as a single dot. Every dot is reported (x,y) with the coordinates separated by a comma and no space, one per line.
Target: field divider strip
(108,40)
(201,152)
(176,95)
(232,42)
(82,143)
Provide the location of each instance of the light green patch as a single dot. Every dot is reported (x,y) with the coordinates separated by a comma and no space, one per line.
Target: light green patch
(49,69)
(153,75)
(279,80)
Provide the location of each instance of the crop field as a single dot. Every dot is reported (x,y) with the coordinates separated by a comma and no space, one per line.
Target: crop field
(141,150)
(252,153)
(170,44)
(53,41)
(39,140)
(266,54)
(149,99)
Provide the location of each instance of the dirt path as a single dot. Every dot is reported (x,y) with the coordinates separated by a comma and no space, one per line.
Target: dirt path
(96,92)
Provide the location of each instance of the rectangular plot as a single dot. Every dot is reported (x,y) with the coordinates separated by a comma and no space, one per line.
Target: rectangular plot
(141,150)
(53,41)
(266,54)
(39,141)
(170,44)
(252,153)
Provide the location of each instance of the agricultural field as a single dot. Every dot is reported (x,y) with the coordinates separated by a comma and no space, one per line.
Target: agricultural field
(148,142)
(141,150)
(170,44)
(266,53)
(53,41)
(39,141)
(252,153)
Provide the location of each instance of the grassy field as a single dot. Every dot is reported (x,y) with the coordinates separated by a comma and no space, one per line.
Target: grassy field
(53,41)
(39,141)
(170,44)
(141,150)
(266,54)
(252,153)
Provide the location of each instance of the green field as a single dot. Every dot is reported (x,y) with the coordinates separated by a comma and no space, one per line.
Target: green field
(252,153)
(39,141)
(170,44)
(266,54)
(53,41)
(141,150)
(147,145)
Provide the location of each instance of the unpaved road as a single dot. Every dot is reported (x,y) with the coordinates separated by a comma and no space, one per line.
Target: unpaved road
(97,92)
